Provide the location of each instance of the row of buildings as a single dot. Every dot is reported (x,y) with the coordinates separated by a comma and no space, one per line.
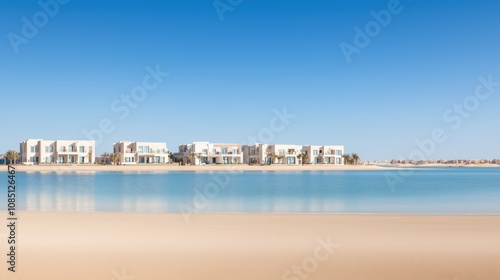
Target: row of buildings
(209,153)
(38,151)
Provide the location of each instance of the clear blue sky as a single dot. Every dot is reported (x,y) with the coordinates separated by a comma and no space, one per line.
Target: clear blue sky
(226,77)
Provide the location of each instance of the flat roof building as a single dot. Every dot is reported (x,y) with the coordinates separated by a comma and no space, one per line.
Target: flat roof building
(39,151)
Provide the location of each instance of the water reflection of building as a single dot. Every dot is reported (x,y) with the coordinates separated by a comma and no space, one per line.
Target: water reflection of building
(58,192)
(143,204)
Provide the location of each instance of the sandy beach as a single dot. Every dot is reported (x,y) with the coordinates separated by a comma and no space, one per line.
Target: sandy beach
(121,246)
(213,168)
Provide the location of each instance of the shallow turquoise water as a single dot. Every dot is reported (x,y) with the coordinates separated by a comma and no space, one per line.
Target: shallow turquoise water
(441,190)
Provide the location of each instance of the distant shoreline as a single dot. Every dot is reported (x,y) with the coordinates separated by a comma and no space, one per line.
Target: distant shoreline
(223,168)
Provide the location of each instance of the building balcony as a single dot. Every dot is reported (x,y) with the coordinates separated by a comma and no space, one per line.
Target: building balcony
(151,152)
(66,151)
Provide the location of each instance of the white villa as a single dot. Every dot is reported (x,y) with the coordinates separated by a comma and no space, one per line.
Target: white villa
(324,154)
(289,154)
(141,152)
(38,151)
(210,153)
(272,154)
(255,154)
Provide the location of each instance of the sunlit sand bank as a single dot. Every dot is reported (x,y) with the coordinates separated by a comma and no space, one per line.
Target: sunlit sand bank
(254,246)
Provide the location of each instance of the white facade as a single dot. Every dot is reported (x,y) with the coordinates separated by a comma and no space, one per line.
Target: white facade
(324,154)
(289,154)
(272,154)
(141,152)
(38,151)
(283,154)
(210,153)
(255,154)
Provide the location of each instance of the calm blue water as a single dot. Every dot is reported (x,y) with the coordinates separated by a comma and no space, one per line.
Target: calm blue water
(445,190)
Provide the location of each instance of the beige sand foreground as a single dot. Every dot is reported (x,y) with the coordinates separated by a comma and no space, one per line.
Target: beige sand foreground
(124,246)
(187,168)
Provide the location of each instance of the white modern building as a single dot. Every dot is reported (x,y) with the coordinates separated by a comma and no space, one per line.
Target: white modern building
(39,151)
(141,152)
(292,154)
(324,154)
(272,154)
(256,154)
(210,153)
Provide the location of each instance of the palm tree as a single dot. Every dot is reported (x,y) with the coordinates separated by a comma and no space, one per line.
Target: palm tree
(192,156)
(90,156)
(347,159)
(355,157)
(105,157)
(114,158)
(171,156)
(303,158)
(273,157)
(282,157)
(12,156)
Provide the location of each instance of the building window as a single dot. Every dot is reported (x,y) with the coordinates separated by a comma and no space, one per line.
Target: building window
(32,149)
(140,149)
(204,151)
(315,152)
(224,151)
(129,159)
(82,159)
(214,151)
(82,149)
(235,151)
